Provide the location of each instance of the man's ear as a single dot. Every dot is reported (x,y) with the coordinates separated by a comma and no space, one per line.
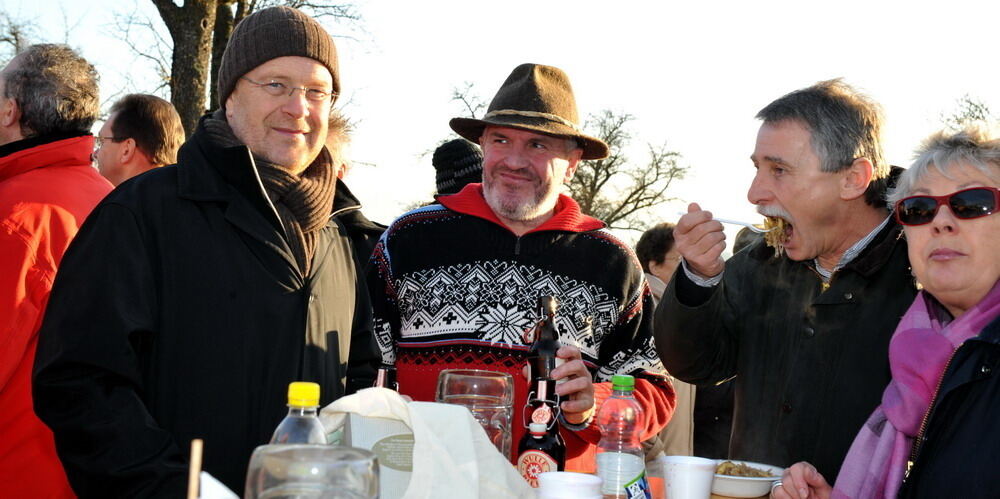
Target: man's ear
(229,105)
(574,163)
(127,150)
(856,178)
(10,115)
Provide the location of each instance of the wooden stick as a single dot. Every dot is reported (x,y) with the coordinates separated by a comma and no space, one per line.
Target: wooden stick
(194,471)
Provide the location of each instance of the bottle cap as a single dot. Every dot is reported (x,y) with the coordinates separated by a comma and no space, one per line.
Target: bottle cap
(303,394)
(538,428)
(623,382)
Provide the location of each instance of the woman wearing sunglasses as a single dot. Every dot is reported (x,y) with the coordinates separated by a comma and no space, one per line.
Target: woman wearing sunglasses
(937,432)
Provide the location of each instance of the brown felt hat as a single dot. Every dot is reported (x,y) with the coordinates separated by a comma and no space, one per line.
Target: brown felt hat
(272,33)
(536,98)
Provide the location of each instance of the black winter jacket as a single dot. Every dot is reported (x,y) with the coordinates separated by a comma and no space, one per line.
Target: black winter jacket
(961,454)
(811,364)
(179,313)
(364,233)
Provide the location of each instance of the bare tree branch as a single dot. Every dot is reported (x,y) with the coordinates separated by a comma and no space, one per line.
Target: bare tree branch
(130,28)
(616,190)
(469,99)
(968,111)
(15,36)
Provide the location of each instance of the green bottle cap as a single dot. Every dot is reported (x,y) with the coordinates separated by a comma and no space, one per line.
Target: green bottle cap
(623,382)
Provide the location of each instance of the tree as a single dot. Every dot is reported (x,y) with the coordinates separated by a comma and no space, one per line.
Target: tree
(470,101)
(191,29)
(617,190)
(968,111)
(15,36)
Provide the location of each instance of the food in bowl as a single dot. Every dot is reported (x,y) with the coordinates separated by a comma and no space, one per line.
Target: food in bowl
(745,486)
(740,469)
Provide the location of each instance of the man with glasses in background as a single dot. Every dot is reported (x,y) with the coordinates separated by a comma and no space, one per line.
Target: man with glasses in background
(196,292)
(142,132)
(802,319)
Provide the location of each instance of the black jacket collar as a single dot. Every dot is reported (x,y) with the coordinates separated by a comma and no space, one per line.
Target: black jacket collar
(20,145)
(208,171)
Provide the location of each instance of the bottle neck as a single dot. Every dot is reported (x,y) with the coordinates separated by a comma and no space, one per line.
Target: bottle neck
(622,393)
(303,411)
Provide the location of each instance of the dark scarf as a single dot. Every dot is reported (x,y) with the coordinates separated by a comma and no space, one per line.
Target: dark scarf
(303,202)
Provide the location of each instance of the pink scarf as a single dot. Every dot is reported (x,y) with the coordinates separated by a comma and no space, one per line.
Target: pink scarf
(918,353)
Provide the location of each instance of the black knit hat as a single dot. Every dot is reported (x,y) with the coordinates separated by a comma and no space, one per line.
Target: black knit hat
(271,33)
(458,162)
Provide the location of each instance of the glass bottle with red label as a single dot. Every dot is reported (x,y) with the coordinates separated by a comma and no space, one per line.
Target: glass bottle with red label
(541,450)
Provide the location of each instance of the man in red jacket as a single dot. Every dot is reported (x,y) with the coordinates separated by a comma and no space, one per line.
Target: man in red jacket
(48,102)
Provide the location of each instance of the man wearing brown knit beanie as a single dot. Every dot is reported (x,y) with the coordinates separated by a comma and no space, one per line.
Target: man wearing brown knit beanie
(196,292)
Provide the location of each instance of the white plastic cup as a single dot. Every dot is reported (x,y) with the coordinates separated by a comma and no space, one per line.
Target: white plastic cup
(568,485)
(687,477)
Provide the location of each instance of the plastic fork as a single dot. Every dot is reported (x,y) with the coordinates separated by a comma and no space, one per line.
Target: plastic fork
(752,227)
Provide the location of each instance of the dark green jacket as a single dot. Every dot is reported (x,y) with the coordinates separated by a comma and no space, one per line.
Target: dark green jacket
(179,312)
(811,365)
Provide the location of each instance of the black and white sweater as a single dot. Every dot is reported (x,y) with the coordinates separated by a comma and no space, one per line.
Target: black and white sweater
(453,287)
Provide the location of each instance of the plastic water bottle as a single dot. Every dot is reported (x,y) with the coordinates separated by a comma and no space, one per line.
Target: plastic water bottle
(620,462)
(301,425)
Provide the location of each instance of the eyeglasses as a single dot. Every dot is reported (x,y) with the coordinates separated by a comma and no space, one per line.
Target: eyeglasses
(965,204)
(99,140)
(277,89)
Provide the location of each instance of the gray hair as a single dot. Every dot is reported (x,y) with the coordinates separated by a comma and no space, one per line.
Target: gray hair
(338,135)
(55,88)
(946,151)
(844,125)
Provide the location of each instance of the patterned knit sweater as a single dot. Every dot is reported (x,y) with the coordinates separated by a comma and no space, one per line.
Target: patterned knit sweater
(452,287)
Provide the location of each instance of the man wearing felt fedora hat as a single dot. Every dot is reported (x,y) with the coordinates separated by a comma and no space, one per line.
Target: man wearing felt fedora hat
(455,284)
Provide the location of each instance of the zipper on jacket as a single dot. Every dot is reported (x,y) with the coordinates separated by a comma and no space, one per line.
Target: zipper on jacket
(918,441)
(263,192)
(345,210)
(517,246)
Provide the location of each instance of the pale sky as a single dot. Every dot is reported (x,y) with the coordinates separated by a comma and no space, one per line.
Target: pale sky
(692,73)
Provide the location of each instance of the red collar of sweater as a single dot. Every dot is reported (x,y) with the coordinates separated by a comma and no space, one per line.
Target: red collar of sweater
(74,151)
(567,216)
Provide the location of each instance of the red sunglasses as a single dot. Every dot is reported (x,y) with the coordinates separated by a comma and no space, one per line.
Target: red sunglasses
(965,204)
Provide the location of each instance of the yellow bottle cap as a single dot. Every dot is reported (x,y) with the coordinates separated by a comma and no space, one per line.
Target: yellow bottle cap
(303,394)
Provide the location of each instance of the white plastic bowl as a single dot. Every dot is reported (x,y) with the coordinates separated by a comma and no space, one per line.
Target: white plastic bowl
(739,486)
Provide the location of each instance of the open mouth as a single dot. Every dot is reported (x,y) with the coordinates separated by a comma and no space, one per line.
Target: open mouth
(779,236)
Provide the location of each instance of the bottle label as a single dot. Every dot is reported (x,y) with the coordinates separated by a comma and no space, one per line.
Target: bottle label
(395,452)
(541,414)
(534,462)
(623,474)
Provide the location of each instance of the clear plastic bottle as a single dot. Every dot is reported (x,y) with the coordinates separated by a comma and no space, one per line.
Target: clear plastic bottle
(301,425)
(620,461)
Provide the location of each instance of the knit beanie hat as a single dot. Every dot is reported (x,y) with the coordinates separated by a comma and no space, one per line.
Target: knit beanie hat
(271,33)
(458,162)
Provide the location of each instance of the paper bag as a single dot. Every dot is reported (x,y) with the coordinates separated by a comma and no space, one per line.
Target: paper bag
(452,456)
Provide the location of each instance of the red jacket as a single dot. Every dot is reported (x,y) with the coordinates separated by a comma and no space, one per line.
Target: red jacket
(46,191)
